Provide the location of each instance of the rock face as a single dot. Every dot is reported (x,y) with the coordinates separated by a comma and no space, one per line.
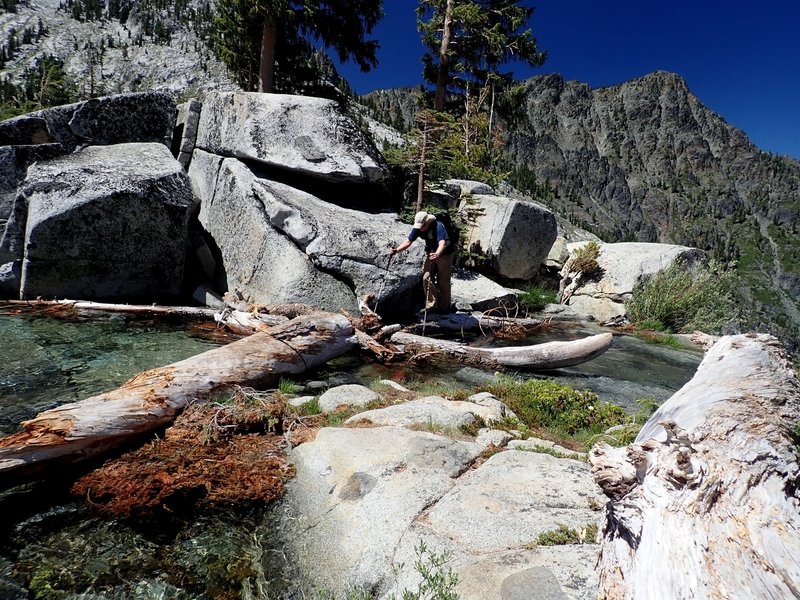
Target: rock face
(107,222)
(621,267)
(472,291)
(139,117)
(365,499)
(52,132)
(432,411)
(279,244)
(309,136)
(133,57)
(514,236)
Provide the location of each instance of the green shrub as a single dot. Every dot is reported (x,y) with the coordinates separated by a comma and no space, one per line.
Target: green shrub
(623,435)
(546,404)
(536,297)
(310,408)
(566,535)
(585,258)
(686,298)
(438,580)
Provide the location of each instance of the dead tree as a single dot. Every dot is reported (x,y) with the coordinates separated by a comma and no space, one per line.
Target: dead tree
(706,502)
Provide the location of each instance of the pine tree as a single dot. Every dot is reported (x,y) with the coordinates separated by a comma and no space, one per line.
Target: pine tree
(267,44)
(469,40)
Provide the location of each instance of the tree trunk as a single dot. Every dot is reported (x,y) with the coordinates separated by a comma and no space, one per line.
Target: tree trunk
(72,306)
(421,177)
(550,355)
(269,38)
(149,401)
(444,58)
(476,321)
(705,503)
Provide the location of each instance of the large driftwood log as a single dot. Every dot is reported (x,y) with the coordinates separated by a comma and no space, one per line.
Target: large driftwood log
(476,321)
(706,502)
(71,306)
(550,355)
(238,321)
(151,400)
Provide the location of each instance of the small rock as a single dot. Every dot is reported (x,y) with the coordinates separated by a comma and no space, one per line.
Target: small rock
(347,395)
(300,400)
(493,437)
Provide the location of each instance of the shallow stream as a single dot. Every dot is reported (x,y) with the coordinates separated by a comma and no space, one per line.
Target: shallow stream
(51,546)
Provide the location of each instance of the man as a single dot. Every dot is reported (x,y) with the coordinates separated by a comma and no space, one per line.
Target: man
(438,265)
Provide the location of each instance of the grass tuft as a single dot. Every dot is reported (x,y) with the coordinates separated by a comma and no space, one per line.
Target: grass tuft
(537,297)
(685,298)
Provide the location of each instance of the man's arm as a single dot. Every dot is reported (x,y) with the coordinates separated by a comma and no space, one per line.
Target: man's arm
(400,248)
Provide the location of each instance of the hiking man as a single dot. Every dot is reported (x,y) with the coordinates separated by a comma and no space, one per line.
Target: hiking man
(438,265)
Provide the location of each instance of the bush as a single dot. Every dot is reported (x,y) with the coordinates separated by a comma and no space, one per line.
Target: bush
(686,298)
(546,404)
(585,258)
(536,297)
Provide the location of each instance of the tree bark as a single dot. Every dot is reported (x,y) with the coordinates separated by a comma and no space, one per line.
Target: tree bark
(151,400)
(266,71)
(550,355)
(444,58)
(475,321)
(705,503)
(422,158)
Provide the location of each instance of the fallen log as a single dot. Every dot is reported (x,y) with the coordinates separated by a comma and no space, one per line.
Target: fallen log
(706,503)
(550,355)
(64,306)
(476,321)
(149,401)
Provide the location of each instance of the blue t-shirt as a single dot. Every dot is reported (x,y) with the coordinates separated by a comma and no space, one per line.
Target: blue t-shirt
(432,237)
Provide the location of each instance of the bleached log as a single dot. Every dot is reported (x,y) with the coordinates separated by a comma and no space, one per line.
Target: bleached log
(706,502)
(475,321)
(549,355)
(74,432)
(236,320)
(370,344)
(247,323)
(140,309)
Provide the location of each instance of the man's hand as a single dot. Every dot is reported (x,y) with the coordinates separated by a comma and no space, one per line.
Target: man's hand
(433,256)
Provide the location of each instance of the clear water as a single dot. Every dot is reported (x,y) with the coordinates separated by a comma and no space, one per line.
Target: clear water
(51,546)
(45,362)
(628,371)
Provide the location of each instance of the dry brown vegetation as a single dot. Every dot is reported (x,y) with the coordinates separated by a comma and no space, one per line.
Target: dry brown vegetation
(215,453)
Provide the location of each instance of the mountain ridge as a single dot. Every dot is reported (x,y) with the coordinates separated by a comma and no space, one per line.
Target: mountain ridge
(643,160)
(646,160)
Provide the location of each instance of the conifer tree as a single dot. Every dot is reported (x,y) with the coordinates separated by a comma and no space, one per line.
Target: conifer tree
(469,41)
(268,44)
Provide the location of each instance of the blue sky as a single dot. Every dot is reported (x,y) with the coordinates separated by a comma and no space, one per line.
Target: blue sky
(740,58)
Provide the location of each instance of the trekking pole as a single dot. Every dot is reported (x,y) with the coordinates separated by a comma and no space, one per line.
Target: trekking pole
(385,275)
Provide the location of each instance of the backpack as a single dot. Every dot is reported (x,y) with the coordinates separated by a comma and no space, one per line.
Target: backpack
(452,231)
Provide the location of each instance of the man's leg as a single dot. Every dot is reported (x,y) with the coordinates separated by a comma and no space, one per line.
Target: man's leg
(429,271)
(444,269)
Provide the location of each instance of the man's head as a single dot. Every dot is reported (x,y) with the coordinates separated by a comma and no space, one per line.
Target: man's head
(423,220)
